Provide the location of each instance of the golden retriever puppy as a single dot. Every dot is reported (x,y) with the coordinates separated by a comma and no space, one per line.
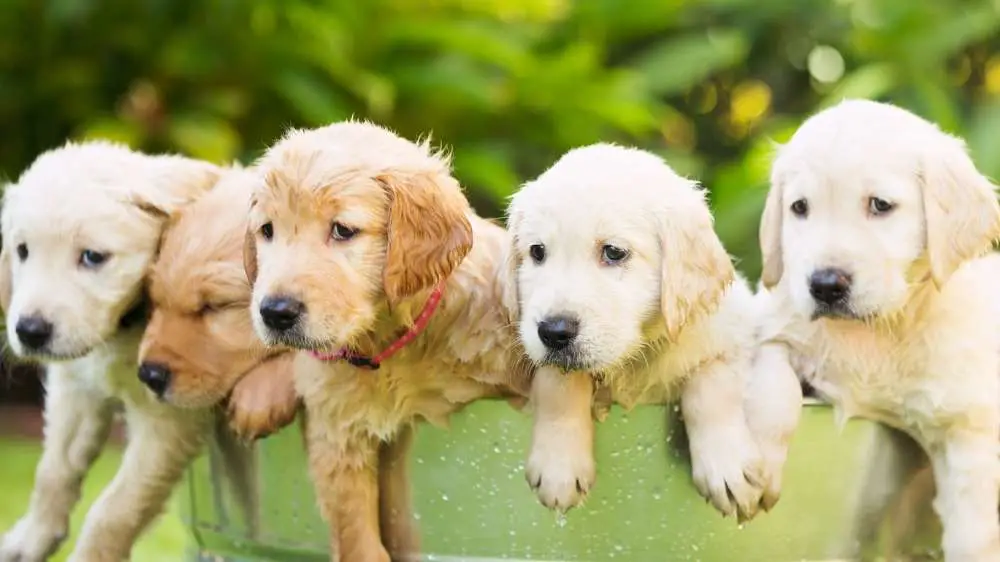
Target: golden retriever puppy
(875,238)
(623,292)
(361,247)
(199,342)
(80,228)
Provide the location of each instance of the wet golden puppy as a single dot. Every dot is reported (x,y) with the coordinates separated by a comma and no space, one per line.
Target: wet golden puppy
(624,290)
(365,251)
(881,289)
(81,227)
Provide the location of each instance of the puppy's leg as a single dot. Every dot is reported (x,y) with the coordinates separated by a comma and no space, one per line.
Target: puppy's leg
(561,463)
(726,463)
(161,446)
(773,403)
(399,530)
(345,475)
(966,471)
(77,420)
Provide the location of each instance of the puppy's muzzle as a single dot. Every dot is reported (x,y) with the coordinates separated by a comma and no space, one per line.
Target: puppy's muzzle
(558,332)
(830,286)
(34,332)
(156,376)
(281,313)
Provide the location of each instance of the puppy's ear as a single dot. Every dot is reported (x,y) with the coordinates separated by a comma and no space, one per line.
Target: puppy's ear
(250,256)
(428,232)
(772,263)
(697,271)
(173,181)
(510,294)
(960,208)
(6,281)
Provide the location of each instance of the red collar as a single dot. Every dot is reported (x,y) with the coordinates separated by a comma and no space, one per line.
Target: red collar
(373,362)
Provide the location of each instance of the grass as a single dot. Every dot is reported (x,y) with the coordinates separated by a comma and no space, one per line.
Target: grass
(164,542)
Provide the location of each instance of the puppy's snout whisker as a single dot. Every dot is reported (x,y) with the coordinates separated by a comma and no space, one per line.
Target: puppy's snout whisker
(558,332)
(281,313)
(830,285)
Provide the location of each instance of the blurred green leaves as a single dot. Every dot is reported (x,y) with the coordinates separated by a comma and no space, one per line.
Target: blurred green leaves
(508,84)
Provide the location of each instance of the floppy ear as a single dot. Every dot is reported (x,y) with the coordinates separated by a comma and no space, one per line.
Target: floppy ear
(510,294)
(428,232)
(772,263)
(960,209)
(250,256)
(697,271)
(173,181)
(6,283)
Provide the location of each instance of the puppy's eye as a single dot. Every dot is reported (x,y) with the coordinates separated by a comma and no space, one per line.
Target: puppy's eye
(22,251)
(92,259)
(800,208)
(537,253)
(213,307)
(878,206)
(342,232)
(613,255)
(267,231)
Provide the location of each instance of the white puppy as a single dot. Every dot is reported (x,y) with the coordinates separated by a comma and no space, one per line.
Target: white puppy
(873,238)
(80,228)
(623,289)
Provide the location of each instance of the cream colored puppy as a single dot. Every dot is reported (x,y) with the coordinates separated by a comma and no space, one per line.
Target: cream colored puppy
(874,239)
(623,288)
(80,228)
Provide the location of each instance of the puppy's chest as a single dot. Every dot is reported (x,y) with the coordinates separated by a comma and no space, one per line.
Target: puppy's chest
(378,402)
(875,377)
(111,371)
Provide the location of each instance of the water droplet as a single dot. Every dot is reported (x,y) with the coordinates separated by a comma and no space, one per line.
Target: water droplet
(444,497)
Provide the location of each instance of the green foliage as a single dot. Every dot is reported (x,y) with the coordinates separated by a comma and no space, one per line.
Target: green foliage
(509,84)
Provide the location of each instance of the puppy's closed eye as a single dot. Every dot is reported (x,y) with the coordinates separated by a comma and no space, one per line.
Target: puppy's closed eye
(222,306)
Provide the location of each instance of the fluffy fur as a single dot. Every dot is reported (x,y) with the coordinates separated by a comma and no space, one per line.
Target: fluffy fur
(670,317)
(898,207)
(200,329)
(80,228)
(358,225)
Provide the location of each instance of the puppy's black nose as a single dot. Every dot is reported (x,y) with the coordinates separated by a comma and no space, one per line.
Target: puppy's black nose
(34,331)
(156,376)
(557,332)
(281,313)
(830,286)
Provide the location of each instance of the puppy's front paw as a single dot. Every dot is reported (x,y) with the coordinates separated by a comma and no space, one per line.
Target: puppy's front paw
(774,452)
(561,470)
(728,469)
(263,402)
(31,541)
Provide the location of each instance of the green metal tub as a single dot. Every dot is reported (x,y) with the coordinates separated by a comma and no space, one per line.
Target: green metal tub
(860,493)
